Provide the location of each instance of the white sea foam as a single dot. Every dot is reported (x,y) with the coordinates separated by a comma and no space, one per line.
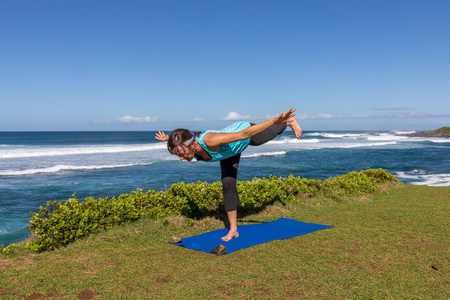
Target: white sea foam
(390,137)
(342,135)
(293,141)
(421,177)
(402,132)
(335,135)
(314,144)
(265,154)
(312,134)
(3,231)
(38,152)
(386,137)
(357,145)
(437,140)
(268,147)
(429,139)
(433,140)
(59,168)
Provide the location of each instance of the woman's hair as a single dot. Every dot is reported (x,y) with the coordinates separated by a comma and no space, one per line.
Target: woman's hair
(177,137)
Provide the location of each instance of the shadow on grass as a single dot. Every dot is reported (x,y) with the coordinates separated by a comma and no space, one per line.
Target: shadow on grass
(243,212)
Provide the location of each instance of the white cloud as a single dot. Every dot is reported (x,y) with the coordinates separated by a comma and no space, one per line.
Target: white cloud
(317,117)
(268,117)
(324,116)
(99,122)
(234,116)
(130,119)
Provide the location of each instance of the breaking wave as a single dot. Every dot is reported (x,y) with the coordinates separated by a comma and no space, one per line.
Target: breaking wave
(293,141)
(357,145)
(421,177)
(60,168)
(23,152)
(402,132)
(265,154)
(335,135)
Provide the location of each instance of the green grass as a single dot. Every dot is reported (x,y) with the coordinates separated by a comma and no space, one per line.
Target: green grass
(393,245)
(443,130)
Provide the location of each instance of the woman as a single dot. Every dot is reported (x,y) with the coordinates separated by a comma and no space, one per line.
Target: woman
(226,146)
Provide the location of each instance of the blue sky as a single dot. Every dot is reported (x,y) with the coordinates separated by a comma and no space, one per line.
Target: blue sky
(150,65)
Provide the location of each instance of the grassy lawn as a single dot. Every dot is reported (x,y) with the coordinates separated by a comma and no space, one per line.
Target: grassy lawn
(393,245)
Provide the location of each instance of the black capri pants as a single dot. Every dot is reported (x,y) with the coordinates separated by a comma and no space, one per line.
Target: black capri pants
(229,167)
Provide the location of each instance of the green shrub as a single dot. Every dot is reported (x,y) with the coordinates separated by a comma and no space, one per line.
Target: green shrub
(198,199)
(354,183)
(298,187)
(59,223)
(381,175)
(8,249)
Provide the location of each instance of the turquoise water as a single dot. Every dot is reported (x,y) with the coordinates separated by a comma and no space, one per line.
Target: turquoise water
(39,166)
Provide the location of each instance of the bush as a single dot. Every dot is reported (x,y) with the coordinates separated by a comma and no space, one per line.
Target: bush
(8,249)
(354,183)
(59,223)
(381,175)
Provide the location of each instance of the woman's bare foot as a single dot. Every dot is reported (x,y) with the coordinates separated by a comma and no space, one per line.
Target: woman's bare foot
(295,127)
(231,235)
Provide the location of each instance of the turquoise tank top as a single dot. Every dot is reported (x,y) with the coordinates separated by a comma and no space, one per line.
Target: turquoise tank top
(228,150)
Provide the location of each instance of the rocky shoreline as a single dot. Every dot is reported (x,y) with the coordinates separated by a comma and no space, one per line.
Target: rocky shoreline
(443,132)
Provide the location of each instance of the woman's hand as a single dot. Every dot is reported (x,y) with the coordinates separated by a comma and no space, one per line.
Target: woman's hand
(283,117)
(161,136)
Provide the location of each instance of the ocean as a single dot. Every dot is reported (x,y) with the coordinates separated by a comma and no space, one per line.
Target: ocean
(39,166)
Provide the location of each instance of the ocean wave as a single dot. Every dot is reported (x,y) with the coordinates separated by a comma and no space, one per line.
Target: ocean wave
(360,145)
(421,177)
(286,147)
(315,145)
(293,141)
(402,132)
(38,152)
(335,135)
(265,154)
(3,231)
(313,134)
(387,137)
(437,140)
(390,137)
(429,139)
(60,168)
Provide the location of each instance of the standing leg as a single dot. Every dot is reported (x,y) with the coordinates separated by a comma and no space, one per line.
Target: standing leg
(229,168)
(233,232)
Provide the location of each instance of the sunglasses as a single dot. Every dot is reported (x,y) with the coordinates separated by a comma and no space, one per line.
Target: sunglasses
(182,146)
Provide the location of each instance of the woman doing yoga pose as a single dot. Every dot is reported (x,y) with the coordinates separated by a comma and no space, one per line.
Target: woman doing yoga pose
(226,145)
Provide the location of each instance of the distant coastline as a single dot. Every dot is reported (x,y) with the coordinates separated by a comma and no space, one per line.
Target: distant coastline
(441,132)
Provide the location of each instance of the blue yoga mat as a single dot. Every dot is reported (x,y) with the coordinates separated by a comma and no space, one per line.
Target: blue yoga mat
(250,235)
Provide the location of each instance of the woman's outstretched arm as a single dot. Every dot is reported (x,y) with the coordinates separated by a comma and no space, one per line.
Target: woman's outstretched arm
(215,140)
